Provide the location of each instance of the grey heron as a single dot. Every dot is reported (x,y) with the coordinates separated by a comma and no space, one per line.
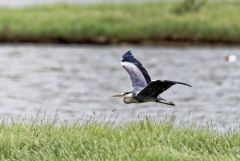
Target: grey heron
(144,90)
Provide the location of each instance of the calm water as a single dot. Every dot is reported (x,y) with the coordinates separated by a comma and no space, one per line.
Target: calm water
(77,81)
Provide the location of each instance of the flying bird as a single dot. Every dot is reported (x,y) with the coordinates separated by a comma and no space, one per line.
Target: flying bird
(144,90)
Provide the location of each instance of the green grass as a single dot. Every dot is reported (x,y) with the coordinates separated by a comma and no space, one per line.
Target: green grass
(142,141)
(215,22)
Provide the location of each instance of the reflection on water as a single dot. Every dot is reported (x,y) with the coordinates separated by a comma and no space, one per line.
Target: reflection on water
(76,81)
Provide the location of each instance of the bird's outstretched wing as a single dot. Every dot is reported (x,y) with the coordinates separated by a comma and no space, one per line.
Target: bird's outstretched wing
(138,74)
(153,89)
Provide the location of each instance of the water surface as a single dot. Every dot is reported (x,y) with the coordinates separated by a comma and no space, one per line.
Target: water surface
(78,81)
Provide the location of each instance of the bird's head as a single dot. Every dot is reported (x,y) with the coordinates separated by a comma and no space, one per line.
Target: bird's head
(127,96)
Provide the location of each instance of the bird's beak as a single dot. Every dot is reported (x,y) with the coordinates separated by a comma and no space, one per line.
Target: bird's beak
(118,95)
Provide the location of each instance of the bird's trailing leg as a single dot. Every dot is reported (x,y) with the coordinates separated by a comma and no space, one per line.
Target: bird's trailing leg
(162,100)
(167,103)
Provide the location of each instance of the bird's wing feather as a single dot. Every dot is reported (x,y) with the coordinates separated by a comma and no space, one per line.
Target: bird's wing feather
(138,74)
(153,89)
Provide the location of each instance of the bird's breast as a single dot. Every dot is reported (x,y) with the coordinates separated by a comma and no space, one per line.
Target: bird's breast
(128,100)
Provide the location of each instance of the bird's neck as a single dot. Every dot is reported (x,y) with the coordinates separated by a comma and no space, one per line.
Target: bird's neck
(128,98)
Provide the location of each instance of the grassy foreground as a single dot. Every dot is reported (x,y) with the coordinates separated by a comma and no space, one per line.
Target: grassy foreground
(142,141)
(215,22)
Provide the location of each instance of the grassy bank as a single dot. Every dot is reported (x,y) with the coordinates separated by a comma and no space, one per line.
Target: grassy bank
(140,141)
(138,23)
